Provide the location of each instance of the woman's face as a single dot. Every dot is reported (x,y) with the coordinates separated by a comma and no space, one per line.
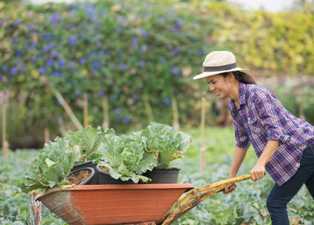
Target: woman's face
(219,86)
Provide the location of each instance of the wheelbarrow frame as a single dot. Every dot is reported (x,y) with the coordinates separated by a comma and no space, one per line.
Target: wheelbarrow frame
(181,205)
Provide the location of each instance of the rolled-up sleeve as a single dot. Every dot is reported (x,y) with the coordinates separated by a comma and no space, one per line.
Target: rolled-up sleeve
(268,110)
(241,137)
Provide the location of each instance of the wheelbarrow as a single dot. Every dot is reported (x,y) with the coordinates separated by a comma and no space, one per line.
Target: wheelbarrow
(136,204)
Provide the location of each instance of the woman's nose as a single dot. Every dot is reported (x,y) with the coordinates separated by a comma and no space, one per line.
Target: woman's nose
(211,88)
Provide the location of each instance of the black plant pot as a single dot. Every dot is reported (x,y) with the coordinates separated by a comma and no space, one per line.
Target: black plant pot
(163,175)
(87,180)
(88,164)
(104,178)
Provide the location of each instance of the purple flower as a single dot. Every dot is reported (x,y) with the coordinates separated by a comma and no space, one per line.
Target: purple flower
(50,62)
(175,51)
(17,22)
(34,59)
(82,60)
(33,45)
(30,27)
(96,65)
(71,65)
(48,37)
(91,12)
(18,53)
(42,70)
(144,33)
(13,70)
(126,120)
(61,63)
(177,27)
(54,19)
(176,71)
(141,64)
(101,93)
(117,111)
(134,42)
(56,74)
(72,40)
(54,54)
(123,66)
(48,47)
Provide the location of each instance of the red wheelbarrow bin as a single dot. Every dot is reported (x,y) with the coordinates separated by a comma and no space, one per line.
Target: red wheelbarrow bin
(136,204)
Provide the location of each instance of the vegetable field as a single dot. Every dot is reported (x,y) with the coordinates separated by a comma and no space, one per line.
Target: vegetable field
(244,206)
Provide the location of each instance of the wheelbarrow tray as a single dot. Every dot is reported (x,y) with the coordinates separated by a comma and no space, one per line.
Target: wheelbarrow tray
(113,204)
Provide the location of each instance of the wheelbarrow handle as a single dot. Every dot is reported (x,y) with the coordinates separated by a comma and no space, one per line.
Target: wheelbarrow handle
(196,195)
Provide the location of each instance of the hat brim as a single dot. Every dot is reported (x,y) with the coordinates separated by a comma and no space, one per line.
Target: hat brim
(209,74)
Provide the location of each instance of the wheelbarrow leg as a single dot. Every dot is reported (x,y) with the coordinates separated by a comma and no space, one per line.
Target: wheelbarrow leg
(36,210)
(144,223)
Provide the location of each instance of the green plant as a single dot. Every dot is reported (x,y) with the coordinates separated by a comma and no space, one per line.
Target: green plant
(168,143)
(52,165)
(124,157)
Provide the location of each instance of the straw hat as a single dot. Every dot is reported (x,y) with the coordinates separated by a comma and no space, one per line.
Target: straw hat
(218,62)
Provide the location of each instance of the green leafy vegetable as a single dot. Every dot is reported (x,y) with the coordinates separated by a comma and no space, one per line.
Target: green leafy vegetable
(165,141)
(52,165)
(125,157)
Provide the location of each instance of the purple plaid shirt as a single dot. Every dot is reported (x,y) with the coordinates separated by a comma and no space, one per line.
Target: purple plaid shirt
(261,117)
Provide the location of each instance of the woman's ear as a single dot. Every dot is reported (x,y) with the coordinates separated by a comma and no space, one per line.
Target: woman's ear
(231,77)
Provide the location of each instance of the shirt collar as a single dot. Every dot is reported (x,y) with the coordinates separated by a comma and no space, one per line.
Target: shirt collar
(242,96)
(242,93)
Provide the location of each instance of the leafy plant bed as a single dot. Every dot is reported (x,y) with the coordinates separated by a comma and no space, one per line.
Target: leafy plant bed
(101,175)
(82,176)
(114,158)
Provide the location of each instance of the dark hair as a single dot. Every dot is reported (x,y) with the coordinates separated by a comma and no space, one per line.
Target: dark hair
(241,77)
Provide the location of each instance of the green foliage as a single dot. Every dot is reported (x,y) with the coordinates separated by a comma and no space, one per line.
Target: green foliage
(52,165)
(125,157)
(119,50)
(265,41)
(136,54)
(246,205)
(166,142)
(89,141)
(15,204)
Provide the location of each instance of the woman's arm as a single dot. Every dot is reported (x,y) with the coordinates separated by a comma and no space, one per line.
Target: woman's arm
(258,170)
(239,155)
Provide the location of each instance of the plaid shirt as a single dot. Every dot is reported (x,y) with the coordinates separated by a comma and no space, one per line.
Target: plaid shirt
(261,117)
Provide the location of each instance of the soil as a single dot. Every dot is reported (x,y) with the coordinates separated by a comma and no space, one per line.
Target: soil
(79,176)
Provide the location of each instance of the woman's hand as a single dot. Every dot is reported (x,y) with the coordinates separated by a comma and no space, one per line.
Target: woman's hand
(258,172)
(229,188)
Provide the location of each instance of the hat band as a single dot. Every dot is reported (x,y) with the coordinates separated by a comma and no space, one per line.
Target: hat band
(219,68)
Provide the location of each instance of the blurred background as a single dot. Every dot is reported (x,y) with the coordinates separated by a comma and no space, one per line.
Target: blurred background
(66,64)
(70,64)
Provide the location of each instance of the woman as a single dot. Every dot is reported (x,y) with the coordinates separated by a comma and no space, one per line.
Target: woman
(284,144)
